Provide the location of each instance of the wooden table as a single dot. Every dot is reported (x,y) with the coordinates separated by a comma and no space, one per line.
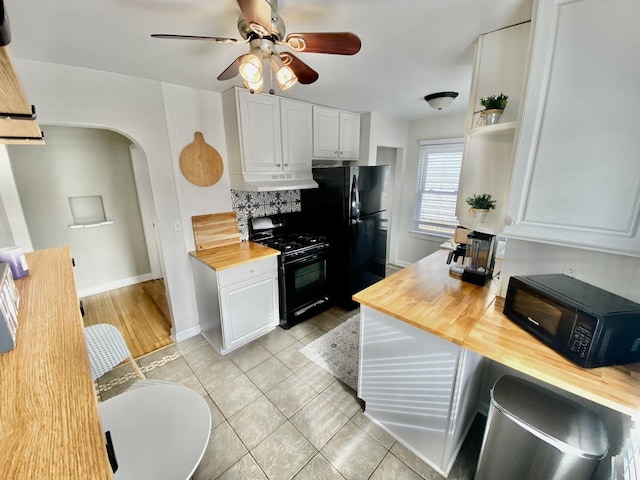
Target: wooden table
(49,422)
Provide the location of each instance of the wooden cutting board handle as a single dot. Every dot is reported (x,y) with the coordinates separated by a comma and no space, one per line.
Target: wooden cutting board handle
(200,163)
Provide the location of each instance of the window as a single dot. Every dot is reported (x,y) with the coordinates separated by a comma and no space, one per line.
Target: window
(437,187)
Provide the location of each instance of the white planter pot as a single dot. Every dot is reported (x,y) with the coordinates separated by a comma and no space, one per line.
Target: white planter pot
(491,117)
(479,215)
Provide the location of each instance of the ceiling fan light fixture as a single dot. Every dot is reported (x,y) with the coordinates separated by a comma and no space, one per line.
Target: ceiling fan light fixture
(251,68)
(284,75)
(254,87)
(440,100)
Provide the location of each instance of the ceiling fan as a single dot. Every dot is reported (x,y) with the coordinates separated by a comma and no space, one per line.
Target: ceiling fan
(262,28)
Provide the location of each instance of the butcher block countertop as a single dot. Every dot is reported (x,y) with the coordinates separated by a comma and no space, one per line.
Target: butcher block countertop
(229,256)
(49,420)
(426,296)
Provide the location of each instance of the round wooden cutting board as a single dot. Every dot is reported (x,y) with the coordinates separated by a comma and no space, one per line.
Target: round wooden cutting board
(200,163)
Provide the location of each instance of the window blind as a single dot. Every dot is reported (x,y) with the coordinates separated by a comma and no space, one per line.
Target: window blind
(437,188)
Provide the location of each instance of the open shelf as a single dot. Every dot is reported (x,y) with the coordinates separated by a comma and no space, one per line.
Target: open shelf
(496,129)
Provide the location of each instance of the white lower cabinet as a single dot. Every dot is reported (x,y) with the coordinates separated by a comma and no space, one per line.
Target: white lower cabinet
(421,389)
(238,304)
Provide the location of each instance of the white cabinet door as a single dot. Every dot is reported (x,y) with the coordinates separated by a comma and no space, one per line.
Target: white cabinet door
(576,176)
(260,132)
(326,132)
(249,309)
(349,136)
(297,131)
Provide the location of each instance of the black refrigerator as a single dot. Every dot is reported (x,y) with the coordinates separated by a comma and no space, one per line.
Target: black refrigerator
(347,207)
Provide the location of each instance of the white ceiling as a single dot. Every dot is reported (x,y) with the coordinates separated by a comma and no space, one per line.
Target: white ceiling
(410,48)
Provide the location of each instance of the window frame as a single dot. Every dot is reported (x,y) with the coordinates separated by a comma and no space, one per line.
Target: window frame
(451,144)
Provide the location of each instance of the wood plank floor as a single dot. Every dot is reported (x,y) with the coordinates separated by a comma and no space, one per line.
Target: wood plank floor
(140,312)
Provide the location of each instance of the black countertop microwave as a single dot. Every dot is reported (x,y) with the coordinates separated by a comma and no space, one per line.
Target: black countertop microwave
(584,323)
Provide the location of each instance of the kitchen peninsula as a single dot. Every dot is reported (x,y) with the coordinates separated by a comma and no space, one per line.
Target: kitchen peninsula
(423,336)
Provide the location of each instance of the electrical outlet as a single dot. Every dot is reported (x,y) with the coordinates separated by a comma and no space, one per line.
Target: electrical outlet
(571,270)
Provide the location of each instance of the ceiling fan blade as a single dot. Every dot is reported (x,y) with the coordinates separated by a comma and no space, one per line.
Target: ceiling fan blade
(195,37)
(304,72)
(337,43)
(257,14)
(232,70)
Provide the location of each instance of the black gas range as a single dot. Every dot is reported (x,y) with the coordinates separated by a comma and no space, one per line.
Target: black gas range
(302,266)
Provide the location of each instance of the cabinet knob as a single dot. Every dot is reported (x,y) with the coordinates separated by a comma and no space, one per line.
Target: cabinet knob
(251,270)
(508,221)
(286,164)
(336,152)
(277,164)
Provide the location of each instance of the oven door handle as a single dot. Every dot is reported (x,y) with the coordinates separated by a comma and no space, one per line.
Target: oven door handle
(304,260)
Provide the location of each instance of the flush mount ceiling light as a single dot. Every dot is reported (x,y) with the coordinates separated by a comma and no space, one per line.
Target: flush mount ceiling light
(441,100)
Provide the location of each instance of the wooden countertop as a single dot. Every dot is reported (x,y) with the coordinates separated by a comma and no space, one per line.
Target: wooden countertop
(425,296)
(229,256)
(49,420)
(498,338)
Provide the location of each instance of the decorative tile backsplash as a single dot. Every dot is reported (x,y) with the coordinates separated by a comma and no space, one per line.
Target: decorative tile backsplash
(260,204)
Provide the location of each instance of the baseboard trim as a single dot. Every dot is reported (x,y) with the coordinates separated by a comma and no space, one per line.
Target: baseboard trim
(105,287)
(184,334)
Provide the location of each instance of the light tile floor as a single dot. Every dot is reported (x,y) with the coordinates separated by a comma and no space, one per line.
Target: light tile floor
(278,416)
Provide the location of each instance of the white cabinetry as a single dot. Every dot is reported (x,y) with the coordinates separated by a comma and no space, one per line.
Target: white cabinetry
(499,67)
(269,141)
(336,134)
(297,142)
(576,177)
(260,132)
(238,304)
(421,389)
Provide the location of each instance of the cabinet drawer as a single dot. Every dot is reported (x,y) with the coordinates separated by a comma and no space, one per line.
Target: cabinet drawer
(246,271)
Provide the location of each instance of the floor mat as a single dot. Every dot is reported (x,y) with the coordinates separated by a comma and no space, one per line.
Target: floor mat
(337,351)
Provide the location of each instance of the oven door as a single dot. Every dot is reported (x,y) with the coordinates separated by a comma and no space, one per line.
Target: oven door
(303,289)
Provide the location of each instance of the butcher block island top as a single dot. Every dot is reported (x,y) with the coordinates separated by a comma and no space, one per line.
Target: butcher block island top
(426,296)
(232,255)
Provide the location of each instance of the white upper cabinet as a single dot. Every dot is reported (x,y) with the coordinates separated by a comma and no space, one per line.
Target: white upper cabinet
(336,134)
(269,141)
(499,67)
(260,132)
(576,178)
(297,142)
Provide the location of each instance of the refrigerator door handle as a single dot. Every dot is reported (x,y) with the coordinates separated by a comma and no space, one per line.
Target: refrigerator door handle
(355,201)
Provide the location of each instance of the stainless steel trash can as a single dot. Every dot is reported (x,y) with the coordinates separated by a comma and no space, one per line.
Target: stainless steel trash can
(535,434)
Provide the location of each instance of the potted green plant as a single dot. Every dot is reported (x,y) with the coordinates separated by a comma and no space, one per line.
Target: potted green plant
(494,106)
(480,205)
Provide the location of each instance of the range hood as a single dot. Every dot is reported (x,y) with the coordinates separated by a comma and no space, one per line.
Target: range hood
(260,182)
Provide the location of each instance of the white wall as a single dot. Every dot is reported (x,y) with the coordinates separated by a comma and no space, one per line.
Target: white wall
(137,108)
(386,133)
(616,273)
(78,162)
(412,247)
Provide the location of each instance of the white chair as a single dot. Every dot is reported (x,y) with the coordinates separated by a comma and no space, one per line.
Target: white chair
(107,349)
